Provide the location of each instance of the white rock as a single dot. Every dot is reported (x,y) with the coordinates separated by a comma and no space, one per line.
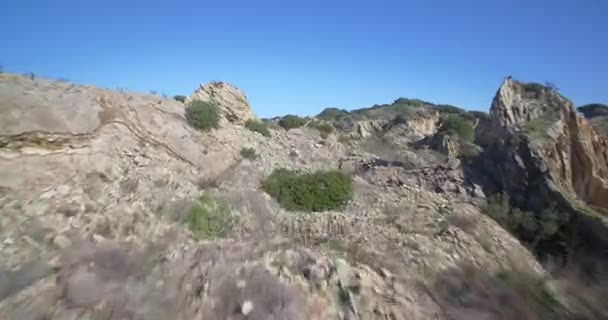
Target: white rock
(241,284)
(62,241)
(246,307)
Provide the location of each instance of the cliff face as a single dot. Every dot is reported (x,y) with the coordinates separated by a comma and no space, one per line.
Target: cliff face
(549,160)
(565,146)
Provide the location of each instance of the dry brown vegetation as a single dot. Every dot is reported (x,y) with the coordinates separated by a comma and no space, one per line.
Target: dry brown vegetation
(472,293)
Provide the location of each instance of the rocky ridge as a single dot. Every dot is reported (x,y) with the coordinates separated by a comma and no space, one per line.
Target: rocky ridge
(94,186)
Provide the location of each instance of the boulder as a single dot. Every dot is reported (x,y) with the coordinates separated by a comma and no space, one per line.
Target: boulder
(231,101)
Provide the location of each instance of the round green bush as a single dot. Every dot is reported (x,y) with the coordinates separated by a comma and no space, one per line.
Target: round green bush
(203,115)
(291,121)
(311,192)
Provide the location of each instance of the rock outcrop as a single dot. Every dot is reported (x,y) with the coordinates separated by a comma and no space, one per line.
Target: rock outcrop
(368,128)
(231,101)
(547,158)
(417,124)
(574,155)
(444,143)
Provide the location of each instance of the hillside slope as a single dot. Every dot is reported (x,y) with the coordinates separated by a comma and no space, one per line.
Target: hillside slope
(96,188)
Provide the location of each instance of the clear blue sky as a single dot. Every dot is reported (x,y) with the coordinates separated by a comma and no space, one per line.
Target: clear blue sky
(302,56)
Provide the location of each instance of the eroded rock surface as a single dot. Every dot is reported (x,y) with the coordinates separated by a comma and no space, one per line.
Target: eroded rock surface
(231,101)
(95,185)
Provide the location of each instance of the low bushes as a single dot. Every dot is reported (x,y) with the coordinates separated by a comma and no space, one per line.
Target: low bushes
(330,114)
(311,192)
(468,152)
(291,121)
(538,129)
(324,128)
(203,115)
(468,292)
(207,218)
(593,110)
(257,126)
(179,98)
(249,153)
(523,223)
(458,125)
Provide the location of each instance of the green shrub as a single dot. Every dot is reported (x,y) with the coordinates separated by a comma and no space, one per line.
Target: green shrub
(538,128)
(208,219)
(468,151)
(329,114)
(448,108)
(473,115)
(533,87)
(249,153)
(180,98)
(457,124)
(258,126)
(324,128)
(499,208)
(291,121)
(320,191)
(549,222)
(593,110)
(523,223)
(203,115)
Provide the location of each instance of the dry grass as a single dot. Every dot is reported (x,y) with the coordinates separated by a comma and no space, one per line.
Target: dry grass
(112,280)
(465,223)
(358,253)
(269,298)
(472,293)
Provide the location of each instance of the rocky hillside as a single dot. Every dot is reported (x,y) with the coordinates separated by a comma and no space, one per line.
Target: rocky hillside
(113,206)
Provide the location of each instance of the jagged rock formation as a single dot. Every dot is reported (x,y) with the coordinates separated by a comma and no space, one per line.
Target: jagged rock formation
(232,102)
(575,157)
(368,128)
(546,156)
(416,121)
(415,125)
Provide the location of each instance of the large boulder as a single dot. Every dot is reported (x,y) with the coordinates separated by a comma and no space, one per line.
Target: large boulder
(231,101)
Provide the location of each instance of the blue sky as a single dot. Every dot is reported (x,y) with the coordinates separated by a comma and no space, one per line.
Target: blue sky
(302,56)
